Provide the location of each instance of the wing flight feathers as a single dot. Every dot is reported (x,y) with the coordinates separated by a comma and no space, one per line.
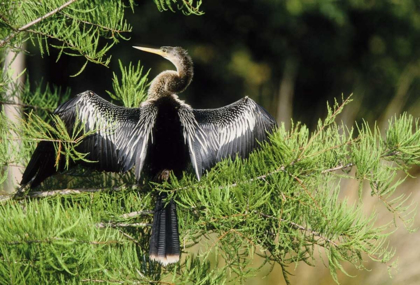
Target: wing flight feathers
(230,131)
(120,135)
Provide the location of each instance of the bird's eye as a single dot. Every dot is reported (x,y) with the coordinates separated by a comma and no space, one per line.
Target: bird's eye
(164,50)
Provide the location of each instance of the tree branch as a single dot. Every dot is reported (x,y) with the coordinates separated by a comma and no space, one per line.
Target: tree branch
(51,193)
(121,225)
(70,45)
(30,24)
(96,25)
(26,106)
(136,214)
(53,239)
(302,228)
(338,167)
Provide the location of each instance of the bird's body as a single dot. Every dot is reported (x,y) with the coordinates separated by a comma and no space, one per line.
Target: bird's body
(164,134)
(169,150)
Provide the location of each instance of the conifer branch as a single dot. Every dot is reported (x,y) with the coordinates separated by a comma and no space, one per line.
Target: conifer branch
(26,106)
(104,281)
(329,120)
(78,49)
(94,24)
(46,15)
(304,229)
(63,192)
(30,24)
(56,239)
(192,8)
(122,225)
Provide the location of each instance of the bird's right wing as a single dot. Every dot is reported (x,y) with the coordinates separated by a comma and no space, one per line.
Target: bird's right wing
(120,135)
(230,131)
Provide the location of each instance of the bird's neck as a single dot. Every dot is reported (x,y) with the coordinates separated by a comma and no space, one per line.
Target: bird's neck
(171,82)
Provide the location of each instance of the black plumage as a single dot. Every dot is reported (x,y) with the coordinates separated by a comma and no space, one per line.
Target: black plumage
(163,134)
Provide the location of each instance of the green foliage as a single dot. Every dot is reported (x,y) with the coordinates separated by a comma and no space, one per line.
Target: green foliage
(131,91)
(6,156)
(39,103)
(73,27)
(187,7)
(282,204)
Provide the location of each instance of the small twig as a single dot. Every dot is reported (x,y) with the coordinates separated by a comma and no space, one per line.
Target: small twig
(186,3)
(103,281)
(51,240)
(128,236)
(391,208)
(338,110)
(262,177)
(46,15)
(122,225)
(338,167)
(43,194)
(6,22)
(309,194)
(26,106)
(136,214)
(40,140)
(391,153)
(96,25)
(302,228)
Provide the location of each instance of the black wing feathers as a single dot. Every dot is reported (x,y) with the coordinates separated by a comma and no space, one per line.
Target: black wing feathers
(118,134)
(230,131)
(111,127)
(41,165)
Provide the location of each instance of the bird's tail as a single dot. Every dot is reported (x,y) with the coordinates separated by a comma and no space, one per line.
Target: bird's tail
(164,242)
(40,166)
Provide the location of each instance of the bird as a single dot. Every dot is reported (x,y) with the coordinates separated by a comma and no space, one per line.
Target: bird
(163,135)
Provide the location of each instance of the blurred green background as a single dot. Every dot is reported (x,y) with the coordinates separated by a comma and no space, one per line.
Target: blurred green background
(292,57)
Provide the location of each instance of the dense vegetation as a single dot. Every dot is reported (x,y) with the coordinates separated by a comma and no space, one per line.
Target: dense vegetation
(283,204)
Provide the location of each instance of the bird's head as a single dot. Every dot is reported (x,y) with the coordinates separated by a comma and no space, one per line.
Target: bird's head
(170,81)
(177,55)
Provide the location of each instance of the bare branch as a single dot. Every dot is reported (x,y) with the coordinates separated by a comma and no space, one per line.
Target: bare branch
(121,225)
(338,167)
(53,239)
(25,105)
(51,193)
(136,214)
(46,15)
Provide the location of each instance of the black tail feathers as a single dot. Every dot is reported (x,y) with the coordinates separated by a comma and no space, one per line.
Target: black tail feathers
(164,242)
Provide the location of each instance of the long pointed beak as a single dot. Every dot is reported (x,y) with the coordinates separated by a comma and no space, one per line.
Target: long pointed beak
(152,50)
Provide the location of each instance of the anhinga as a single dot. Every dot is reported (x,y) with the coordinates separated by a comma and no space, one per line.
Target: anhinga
(163,134)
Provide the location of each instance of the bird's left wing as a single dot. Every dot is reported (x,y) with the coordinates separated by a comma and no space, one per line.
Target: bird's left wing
(230,131)
(119,136)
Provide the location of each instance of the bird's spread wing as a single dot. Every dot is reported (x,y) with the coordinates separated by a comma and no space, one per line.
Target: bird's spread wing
(119,136)
(230,131)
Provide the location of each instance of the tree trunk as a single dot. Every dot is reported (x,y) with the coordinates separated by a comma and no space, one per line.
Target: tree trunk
(15,64)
